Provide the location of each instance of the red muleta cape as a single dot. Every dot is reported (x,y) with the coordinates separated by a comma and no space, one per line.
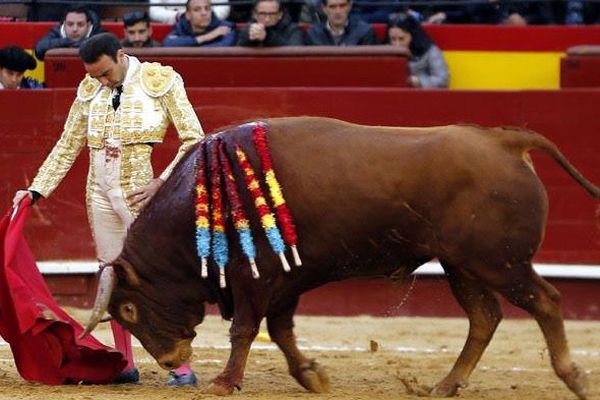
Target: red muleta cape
(43,338)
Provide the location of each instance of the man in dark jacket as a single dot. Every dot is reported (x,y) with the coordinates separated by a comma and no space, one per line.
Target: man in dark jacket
(138,31)
(270,27)
(78,24)
(199,26)
(340,29)
(13,63)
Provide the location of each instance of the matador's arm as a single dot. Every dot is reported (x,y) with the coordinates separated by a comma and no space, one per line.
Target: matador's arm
(182,114)
(64,153)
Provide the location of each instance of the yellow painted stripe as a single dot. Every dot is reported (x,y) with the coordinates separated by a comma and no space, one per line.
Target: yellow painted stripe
(38,72)
(503,69)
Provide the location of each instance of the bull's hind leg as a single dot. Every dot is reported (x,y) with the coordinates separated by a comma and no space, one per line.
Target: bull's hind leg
(484,315)
(542,301)
(307,372)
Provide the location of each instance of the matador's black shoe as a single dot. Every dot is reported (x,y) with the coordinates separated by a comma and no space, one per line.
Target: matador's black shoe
(131,375)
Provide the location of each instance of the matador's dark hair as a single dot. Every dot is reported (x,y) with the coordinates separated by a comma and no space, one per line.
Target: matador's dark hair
(96,46)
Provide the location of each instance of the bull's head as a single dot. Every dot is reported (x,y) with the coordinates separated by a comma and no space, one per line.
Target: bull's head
(162,317)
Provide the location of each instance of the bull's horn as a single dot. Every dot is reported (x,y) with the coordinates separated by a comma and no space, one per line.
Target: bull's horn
(105,288)
(106,318)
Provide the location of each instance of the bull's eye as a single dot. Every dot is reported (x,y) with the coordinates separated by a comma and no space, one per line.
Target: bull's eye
(128,312)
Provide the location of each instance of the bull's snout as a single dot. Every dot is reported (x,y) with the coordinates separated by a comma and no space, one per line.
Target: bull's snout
(181,354)
(167,364)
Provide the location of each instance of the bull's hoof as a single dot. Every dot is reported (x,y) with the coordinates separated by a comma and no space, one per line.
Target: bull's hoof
(447,388)
(443,389)
(577,381)
(218,389)
(313,378)
(413,387)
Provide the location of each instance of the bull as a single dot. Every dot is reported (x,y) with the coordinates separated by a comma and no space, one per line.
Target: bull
(367,202)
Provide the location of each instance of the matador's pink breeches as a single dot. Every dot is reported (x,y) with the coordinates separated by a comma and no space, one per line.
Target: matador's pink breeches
(109,219)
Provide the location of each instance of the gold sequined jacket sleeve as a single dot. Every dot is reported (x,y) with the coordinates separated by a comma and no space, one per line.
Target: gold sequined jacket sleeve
(182,114)
(65,151)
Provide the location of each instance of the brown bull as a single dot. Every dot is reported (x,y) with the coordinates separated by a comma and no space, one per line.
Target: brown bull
(367,202)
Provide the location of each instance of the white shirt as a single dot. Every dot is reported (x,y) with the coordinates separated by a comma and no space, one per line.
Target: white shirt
(168,14)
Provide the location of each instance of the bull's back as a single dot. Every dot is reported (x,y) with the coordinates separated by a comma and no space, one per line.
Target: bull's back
(379,162)
(441,189)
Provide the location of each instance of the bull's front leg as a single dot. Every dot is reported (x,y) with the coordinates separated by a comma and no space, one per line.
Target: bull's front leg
(307,372)
(242,335)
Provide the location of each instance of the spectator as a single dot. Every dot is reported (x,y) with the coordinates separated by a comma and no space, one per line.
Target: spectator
(171,14)
(428,68)
(13,63)
(77,26)
(199,26)
(138,31)
(270,27)
(340,29)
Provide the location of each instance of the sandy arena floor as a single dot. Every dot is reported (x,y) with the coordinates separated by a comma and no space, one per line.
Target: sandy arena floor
(515,366)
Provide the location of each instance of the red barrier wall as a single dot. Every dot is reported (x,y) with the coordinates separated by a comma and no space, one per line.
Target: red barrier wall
(448,37)
(429,297)
(31,122)
(365,66)
(580,71)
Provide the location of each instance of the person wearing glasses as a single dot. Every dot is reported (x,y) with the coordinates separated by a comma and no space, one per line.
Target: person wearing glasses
(270,27)
(138,31)
(199,26)
(121,113)
(340,29)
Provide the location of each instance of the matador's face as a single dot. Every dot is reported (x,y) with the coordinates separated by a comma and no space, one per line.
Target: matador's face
(107,71)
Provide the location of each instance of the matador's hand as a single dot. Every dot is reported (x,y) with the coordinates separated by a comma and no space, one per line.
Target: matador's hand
(145,193)
(20,195)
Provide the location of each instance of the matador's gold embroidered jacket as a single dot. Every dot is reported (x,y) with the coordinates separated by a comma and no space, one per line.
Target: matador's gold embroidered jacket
(153,96)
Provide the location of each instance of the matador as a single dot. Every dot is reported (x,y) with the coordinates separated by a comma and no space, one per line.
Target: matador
(122,110)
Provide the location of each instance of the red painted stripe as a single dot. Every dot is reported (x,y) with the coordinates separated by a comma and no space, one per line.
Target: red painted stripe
(448,37)
(430,297)
(26,34)
(216,195)
(511,38)
(284,215)
(235,203)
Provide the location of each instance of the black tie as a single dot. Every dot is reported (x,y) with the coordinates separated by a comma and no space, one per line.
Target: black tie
(116,100)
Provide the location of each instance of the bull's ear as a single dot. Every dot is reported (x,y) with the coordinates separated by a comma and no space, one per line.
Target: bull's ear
(124,267)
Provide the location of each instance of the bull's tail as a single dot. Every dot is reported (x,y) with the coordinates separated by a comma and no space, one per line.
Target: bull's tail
(533,141)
